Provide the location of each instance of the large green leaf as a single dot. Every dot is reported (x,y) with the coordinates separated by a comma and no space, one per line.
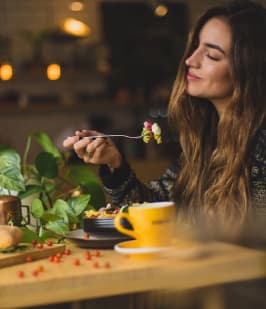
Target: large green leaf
(96,192)
(58,227)
(29,235)
(72,217)
(49,215)
(62,209)
(30,190)
(46,165)
(11,179)
(9,157)
(44,140)
(37,209)
(10,174)
(79,203)
(82,175)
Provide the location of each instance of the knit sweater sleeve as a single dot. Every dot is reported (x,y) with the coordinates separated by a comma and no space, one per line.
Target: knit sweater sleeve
(124,187)
(258,172)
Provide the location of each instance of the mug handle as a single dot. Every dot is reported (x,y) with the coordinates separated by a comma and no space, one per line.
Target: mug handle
(120,228)
(28,213)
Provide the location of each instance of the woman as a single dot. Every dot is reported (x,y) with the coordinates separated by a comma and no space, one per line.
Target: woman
(217,108)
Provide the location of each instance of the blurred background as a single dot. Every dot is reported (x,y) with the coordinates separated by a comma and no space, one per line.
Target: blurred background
(107,65)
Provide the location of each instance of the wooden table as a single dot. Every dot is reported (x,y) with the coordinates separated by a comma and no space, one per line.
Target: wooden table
(65,282)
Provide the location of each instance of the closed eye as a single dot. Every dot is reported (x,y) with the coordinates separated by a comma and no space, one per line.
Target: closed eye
(212,57)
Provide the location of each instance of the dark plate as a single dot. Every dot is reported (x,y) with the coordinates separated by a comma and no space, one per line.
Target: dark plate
(97,242)
(103,226)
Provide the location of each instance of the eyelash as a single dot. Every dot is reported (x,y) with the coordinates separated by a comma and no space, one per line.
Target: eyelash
(212,58)
(195,46)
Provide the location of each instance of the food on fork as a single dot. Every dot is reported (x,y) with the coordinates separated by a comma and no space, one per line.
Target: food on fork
(151,130)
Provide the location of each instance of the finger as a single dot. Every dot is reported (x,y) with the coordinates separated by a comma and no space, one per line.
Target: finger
(84,133)
(87,157)
(93,154)
(70,141)
(80,147)
(94,144)
(87,145)
(97,156)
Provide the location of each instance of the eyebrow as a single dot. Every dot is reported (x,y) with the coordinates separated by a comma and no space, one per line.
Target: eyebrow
(214,46)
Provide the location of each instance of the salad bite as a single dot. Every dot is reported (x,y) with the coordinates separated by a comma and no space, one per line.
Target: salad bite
(150,131)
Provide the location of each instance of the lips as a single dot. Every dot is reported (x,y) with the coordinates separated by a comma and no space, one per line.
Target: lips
(192,77)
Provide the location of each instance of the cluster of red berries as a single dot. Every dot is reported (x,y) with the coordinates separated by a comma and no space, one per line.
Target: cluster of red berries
(57,258)
(88,256)
(40,245)
(35,272)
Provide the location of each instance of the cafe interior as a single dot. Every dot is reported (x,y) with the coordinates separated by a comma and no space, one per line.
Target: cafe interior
(109,65)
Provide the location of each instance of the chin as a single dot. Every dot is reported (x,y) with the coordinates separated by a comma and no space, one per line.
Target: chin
(194,93)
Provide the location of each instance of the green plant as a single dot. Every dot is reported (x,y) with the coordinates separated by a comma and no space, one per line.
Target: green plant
(10,174)
(59,191)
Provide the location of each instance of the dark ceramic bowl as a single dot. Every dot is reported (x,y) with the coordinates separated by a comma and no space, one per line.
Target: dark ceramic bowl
(103,226)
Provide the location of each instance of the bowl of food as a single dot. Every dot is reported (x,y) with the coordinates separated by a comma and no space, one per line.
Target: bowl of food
(101,222)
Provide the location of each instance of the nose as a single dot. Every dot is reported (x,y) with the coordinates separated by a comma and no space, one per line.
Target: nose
(194,60)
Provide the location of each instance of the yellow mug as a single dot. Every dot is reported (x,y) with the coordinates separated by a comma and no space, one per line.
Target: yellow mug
(153,223)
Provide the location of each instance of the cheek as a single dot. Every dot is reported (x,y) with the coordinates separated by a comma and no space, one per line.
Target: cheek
(221,78)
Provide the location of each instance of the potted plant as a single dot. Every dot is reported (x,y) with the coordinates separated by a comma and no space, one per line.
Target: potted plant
(60,192)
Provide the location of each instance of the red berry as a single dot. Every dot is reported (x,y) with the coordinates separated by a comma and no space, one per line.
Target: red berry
(49,243)
(87,253)
(107,265)
(35,273)
(67,252)
(20,274)
(28,258)
(34,242)
(96,265)
(57,259)
(76,262)
(59,255)
(39,245)
(40,268)
(51,258)
(88,256)
(97,253)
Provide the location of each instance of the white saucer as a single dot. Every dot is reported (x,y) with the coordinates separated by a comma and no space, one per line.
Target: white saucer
(132,248)
(180,249)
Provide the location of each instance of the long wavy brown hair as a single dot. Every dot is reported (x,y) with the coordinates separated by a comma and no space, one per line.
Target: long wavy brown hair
(214,175)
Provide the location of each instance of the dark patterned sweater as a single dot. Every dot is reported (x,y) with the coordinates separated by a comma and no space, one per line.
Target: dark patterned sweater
(124,187)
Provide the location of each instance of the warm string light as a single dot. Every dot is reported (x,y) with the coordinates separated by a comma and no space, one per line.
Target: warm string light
(76,6)
(76,27)
(6,71)
(161,10)
(53,71)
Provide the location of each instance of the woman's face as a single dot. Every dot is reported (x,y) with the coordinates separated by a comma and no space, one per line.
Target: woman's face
(209,67)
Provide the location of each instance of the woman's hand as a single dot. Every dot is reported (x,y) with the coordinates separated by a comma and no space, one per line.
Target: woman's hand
(96,151)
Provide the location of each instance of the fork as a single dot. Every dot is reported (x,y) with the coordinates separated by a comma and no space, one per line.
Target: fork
(113,135)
